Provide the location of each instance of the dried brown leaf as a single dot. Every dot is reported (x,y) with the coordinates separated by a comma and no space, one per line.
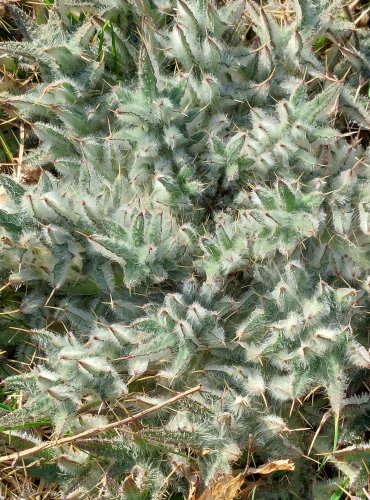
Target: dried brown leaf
(224,488)
(275,466)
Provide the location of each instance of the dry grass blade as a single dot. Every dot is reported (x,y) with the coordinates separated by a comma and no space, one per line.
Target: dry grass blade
(322,423)
(18,167)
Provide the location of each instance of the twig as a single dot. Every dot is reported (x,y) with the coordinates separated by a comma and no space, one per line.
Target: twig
(97,430)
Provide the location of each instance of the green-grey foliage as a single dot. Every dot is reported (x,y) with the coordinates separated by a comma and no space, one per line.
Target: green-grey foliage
(203,218)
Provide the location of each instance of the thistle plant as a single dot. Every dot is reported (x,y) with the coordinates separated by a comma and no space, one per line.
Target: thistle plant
(202,218)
